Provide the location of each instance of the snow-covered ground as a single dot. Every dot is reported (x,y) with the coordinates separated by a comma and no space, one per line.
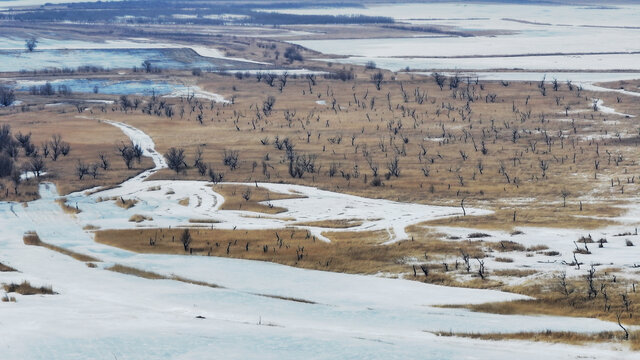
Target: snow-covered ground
(100,314)
(529,37)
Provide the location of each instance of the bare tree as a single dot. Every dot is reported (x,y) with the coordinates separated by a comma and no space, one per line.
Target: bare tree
(31,44)
(94,170)
(16,179)
(127,153)
(377,79)
(564,193)
(175,159)
(81,169)
(394,167)
(267,105)
(214,176)
(104,161)
(439,78)
(37,165)
(186,239)
(146,65)
(58,147)
(231,159)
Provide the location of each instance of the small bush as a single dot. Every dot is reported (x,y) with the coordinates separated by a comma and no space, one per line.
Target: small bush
(25,288)
(139,218)
(628,242)
(292,54)
(478,235)
(7,97)
(586,240)
(7,298)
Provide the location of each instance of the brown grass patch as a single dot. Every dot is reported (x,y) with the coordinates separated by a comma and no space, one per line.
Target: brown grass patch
(5,268)
(288,298)
(350,252)
(90,227)
(184,201)
(128,270)
(564,337)
(7,298)
(32,238)
(125,203)
(25,288)
(513,272)
(203,221)
(67,208)
(234,200)
(332,224)
(534,217)
(137,218)
(550,300)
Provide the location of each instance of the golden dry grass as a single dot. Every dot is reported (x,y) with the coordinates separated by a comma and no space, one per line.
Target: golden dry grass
(128,270)
(235,198)
(550,299)
(25,288)
(563,337)
(335,224)
(137,218)
(351,252)
(5,268)
(32,238)
(203,221)
(126,204)
(68,209)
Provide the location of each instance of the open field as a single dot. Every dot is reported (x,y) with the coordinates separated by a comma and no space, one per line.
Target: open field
(283,178)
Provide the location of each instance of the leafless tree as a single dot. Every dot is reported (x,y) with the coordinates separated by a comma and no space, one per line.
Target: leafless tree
(16,179)
(127,153)
(37,165)
(267,105)
(439,78)
(394,167)
(175,159)
(202,168)
(564,193)
(81,169)
(58,147)
(186,239)
(377,79)
(214,176)
(31,44)
(104,161)
(94,170)
(230,159)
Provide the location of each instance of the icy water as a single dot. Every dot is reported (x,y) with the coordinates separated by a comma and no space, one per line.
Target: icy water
(17,60)
(104,86)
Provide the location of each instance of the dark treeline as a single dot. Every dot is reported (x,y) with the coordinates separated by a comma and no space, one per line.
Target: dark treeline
(272,18)
(146,11)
